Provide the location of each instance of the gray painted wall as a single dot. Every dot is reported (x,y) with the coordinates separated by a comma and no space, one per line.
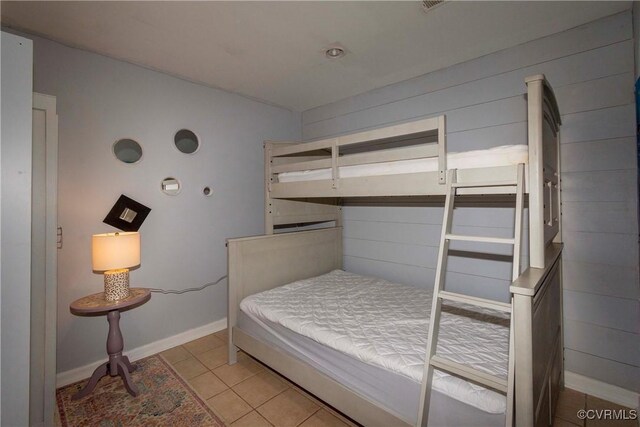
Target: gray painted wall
(592,70)
(101,100)
(17,77)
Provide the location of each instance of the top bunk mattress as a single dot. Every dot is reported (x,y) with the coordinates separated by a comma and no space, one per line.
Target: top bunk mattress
(504,155)
(386,325)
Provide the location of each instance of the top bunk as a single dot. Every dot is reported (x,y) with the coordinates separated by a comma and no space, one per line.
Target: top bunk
(411,159)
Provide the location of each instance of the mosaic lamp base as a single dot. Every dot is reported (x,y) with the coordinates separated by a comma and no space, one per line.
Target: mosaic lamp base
(116,284)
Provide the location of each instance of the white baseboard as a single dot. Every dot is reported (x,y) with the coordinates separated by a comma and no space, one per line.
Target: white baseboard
(77,374)
(605,391)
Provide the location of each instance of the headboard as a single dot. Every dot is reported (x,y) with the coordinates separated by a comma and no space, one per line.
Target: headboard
(544,167)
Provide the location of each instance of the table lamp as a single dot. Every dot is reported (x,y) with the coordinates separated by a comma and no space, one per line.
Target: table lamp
(114,254)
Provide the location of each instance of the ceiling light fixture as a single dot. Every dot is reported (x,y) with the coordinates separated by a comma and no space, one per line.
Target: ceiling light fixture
(334,52)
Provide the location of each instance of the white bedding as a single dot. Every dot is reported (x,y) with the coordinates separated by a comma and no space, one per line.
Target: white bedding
(504,155)
(386,324)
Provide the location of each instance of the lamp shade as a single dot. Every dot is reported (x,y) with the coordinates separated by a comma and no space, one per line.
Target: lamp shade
(111,251)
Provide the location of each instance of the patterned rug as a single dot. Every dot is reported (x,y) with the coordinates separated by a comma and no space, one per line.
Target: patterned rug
(164,399)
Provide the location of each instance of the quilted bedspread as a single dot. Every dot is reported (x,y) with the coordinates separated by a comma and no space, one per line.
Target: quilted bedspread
(386,325)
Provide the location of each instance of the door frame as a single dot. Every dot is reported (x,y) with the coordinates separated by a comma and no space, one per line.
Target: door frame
(47,103)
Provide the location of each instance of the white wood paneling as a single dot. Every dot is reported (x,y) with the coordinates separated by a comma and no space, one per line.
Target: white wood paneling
(609,371)
(607,311)
(602,248)
(603,217)
(599,186)
(614,122)
(609,91)
(409,274)
(592,71)
(612,344)
(605,154)
(601,279)
(398,253)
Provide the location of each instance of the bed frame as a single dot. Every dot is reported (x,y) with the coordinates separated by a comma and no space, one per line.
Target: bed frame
(264,262)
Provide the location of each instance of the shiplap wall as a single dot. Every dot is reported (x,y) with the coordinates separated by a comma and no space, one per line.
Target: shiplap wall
(592,71)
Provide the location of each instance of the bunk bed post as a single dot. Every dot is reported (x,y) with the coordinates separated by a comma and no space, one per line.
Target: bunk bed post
(523,325)
(334,164)
(442,149)
(536,170)
(268,179)
(233,272)
(558,237)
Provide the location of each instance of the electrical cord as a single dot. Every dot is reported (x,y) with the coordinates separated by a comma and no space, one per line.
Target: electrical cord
(182,291)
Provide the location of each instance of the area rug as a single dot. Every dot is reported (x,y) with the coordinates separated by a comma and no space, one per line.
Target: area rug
(164,399)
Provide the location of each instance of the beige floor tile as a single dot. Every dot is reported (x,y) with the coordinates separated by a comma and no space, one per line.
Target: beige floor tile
(233,374)
(175,354)
(259,388)
(204,344)
(207,385)
(288,409)
(569,403)
(252,419)
(250,363)
(229,406)
(214,358)
(323,418)
(600,405)
(190,368)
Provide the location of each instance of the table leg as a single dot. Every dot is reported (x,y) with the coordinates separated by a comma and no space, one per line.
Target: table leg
(131,367)
(115,343)
(123,371)
(100,372)
(117,364)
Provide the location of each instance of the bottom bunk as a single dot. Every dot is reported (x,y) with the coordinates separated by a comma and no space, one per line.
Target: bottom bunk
(371,336)
(359,343)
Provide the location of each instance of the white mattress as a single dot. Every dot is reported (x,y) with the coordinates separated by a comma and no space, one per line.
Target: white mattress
(385,325)
(395,393)
(504,155)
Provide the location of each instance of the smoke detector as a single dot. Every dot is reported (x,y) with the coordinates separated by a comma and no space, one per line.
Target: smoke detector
(428,5)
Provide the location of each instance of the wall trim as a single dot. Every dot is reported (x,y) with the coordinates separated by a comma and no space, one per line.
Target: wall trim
(77,374)
(602,390)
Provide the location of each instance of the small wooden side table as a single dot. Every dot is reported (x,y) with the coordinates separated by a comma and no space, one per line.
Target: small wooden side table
(96,305)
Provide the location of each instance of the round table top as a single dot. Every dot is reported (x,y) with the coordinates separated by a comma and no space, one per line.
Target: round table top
(96,304)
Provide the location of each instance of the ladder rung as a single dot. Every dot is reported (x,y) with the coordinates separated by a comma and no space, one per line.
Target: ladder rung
(483,184)
(480,239)
(479,302)
(465,371)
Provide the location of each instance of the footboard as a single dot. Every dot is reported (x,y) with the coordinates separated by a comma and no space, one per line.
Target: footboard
(538,340)
(260,263)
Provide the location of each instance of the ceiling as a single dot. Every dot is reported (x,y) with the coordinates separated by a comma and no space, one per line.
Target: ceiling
(274,51)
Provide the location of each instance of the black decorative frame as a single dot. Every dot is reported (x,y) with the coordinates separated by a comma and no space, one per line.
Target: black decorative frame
(123,206)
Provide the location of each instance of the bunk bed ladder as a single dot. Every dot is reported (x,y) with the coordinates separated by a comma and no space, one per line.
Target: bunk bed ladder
(433,361)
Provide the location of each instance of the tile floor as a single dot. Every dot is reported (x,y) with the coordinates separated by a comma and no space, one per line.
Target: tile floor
(250,394)
(247,394)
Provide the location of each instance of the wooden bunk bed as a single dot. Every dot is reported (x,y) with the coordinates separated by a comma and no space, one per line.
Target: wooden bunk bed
(305,182)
